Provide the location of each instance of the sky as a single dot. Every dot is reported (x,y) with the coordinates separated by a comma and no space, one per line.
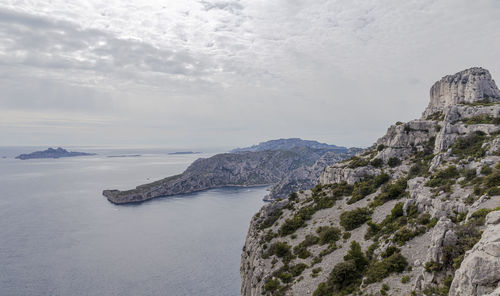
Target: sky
(229,73)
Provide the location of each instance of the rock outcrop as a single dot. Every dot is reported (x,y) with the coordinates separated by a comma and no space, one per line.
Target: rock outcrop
(401,216)
(479,273)
(230,169)
(469,86)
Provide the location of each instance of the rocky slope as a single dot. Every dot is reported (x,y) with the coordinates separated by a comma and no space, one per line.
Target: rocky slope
(229,169)
(52,153)
(415,214)
(306,177)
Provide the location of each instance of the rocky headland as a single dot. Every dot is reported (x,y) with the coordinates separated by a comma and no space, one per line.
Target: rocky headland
(244,168)
(417,213)
(52,153)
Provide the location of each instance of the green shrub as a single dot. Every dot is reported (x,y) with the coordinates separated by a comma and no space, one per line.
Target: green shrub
(285,277)
(381,269)
(393,162)
(390,251)
(479,217)
(340,189)
(353,219)
(482,119)
(346,235)
(301,249)
(280,249)
(377,162)
(272,285)
(316,271)
(390,191)
(293,196)
(418,169)
(470,145)
(385,287)
(486,170)
(493,191)
(380,147)
(492,179)
(436,116)
(344,275)
(443,177)
(469,174)
(405,279)
(297,269)
(467,236)
(405,234)
(357,256)
(432,266)
(363,188)
(328,234)
(358,162)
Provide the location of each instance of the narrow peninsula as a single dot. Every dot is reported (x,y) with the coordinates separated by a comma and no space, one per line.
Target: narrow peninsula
(286,169)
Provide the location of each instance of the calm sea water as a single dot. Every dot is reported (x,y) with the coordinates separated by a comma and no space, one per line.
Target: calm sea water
(60,236)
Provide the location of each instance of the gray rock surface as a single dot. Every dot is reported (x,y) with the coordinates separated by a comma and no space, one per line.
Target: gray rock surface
(468,86)
(479,273)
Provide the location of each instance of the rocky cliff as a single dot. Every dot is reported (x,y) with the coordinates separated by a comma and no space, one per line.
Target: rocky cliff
(415,214)
(231,169)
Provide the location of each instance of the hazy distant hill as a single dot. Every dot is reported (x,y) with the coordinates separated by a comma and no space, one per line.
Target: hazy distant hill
(287,144)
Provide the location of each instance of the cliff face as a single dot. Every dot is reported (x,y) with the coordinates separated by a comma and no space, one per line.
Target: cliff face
(406,217)
(228,169)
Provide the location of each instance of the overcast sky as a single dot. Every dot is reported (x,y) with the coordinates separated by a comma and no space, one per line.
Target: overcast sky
(229,73)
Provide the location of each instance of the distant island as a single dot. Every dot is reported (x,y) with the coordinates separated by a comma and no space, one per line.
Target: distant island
(183,152)
(52,153)
(125,155)
(292,167)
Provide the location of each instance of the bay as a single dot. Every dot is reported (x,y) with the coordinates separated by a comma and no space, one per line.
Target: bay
(60,236)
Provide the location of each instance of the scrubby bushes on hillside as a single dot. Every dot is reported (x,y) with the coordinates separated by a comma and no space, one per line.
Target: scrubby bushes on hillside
(346,276)
(470,145)
(353,219)
(381,269)
(390,191)
(367,186)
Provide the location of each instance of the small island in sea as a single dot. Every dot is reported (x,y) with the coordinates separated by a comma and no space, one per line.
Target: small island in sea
(52,153)
(183,152)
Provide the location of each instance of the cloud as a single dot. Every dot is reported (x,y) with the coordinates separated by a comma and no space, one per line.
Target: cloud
(40,42)
(244,71)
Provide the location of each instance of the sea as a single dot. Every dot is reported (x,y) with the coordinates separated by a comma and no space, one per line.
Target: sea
(60,236)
